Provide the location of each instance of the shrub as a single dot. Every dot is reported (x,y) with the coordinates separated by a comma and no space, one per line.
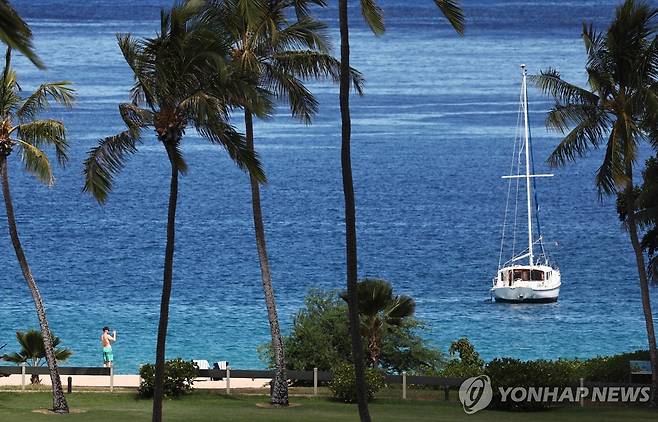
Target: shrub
(343,383)
(178,378)
(320,338)
(469,363)
(507,372)
(611,368)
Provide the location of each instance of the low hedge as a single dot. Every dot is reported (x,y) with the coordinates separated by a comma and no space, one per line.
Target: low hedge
(510,373)
(179,377)
(611,368)
(343,383)
(507,372)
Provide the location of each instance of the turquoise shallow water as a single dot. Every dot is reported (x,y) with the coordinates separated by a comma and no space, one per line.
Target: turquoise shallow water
(431,139)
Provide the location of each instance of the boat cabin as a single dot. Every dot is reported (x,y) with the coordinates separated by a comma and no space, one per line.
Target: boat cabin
(523,274)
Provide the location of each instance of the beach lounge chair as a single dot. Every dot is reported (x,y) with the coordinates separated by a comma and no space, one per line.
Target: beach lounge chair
(222,364)
(202,364)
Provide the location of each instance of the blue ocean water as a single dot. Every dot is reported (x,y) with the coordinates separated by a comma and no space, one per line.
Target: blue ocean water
(431,139)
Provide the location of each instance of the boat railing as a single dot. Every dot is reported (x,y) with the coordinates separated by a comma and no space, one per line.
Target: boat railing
(539,259)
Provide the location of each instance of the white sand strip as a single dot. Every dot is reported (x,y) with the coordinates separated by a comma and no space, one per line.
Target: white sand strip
(132,381)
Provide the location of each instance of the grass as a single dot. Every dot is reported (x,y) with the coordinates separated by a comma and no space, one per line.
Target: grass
(206,406)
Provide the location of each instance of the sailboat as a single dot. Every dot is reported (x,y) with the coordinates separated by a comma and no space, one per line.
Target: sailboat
(529,275)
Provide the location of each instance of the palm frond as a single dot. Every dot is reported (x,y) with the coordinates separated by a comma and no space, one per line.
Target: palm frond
(578,142)
(306,33)
(143,69)
(48,132)
(15,357)
(302,7)
(652,268)
(36,162)
(252,10)
(562,117)
(15,33)
(401,307)
(316,65)
(593,40)
(60,92)
(135,118)
(373,16)
(289,88)
(550,82)
(105,161)
(175,155)
(611,174)
(453,13)
(9,98)
(220,133)
(31,342)
(32,348)
(374,296)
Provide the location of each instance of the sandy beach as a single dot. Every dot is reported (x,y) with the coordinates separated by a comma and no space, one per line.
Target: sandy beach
(133,381)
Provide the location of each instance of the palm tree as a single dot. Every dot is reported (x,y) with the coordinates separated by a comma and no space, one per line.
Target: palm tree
(645,198)
(33,351)
(277,54)
(181,79)
(15,33)
(379,309)
(618,111)
(20,128)
(374,18)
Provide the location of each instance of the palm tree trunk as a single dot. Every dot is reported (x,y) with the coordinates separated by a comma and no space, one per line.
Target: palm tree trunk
(59,401)
(279,396)
(350,214)
(374,349)
(166,289)
(644,290)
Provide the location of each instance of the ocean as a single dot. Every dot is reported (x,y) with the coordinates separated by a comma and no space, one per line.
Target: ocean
(431,138)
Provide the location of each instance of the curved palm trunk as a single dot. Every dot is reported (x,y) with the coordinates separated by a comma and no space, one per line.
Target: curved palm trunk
(166,289)
(350,214)
(644,290)
(59,401)
(279,396)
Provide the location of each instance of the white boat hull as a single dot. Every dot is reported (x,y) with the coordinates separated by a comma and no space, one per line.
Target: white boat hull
(527,294)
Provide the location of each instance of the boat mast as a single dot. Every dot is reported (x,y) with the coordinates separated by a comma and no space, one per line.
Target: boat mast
(524,87)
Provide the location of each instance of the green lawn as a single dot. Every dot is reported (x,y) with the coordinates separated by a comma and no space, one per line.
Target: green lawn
(202,406)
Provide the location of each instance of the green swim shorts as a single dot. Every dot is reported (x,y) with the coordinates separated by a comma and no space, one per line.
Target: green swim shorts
(107,354)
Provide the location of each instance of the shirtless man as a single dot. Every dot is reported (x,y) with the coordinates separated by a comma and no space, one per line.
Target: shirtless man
(106,338)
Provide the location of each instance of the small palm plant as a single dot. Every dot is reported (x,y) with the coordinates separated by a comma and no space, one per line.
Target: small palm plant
(380,309)
(276,45)
(20,129)
(33,351)
(182,79)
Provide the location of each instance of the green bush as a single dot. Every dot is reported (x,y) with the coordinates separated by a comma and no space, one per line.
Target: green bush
(179,377)
(611,368)
(320,338)
(507,372)
(343,383)
(469,363)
